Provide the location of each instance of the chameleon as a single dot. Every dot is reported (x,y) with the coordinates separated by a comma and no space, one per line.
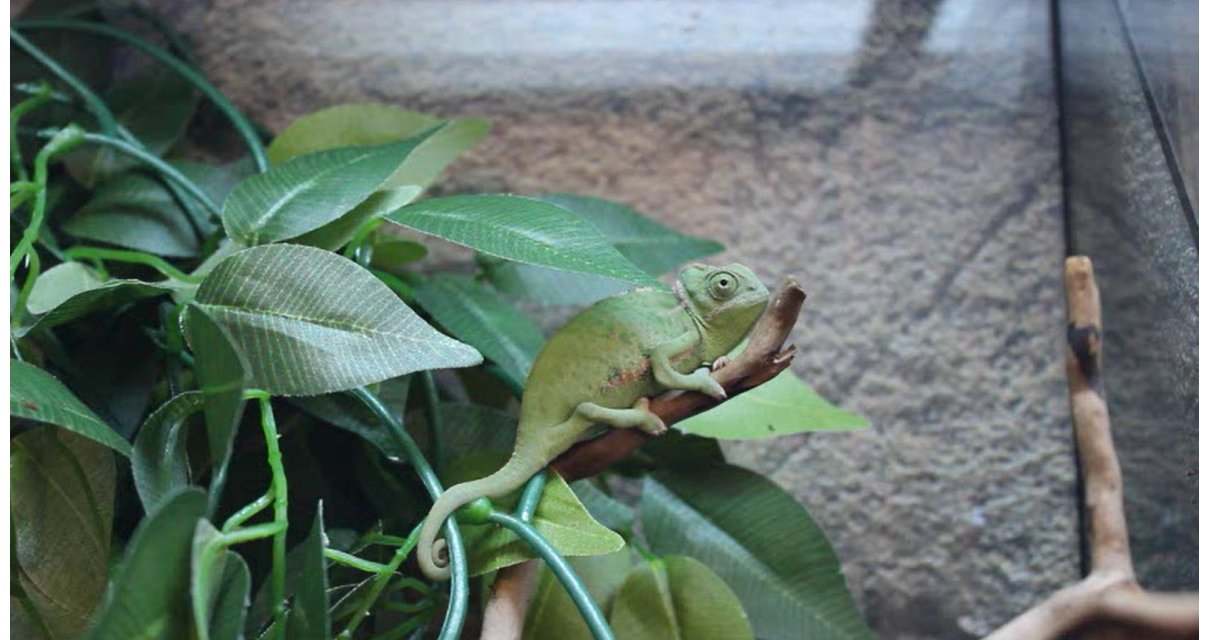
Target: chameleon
(602,367)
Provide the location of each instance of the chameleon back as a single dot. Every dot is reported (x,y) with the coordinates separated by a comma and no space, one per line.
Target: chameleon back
(600,356)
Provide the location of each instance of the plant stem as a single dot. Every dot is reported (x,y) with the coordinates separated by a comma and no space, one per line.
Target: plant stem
(455,614)
(19,110)
(277,579)
(558,565)
(92,102)
(255,532)
(163,168)
(247,512)
(64,140)
(241,124)
(380,582)
(131,257)
(528,505)
(432,415)
(396,284)
(31,276)
(350,560)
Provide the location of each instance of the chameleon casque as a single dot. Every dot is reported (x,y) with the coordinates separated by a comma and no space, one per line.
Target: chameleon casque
(602,367)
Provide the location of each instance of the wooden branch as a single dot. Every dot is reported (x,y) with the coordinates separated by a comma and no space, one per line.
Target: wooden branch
(762,359)
(1108,603)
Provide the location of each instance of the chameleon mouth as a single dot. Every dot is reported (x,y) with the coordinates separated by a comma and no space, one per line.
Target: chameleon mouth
(679,289)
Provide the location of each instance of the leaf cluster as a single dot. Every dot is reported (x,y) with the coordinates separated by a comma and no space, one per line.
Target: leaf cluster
(192,310)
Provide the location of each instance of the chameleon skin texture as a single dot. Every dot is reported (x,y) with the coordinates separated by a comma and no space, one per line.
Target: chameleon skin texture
(602,365)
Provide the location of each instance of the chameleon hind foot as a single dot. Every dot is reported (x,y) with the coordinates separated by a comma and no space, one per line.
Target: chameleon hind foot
(637,416)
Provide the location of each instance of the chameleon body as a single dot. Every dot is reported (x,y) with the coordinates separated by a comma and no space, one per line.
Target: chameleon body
(602,367)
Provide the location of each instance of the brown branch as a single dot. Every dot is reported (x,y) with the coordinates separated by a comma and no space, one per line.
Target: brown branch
(1108,603)
(762,359)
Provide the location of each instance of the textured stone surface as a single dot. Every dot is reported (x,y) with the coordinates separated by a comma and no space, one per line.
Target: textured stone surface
(900,159)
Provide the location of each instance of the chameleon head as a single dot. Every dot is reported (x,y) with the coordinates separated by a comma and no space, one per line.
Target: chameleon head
(728,296)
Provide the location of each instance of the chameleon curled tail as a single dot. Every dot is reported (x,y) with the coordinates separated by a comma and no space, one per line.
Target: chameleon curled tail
(431,552)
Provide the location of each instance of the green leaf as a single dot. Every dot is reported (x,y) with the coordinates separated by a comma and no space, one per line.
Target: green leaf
(552,614)
(390,254)
(560,518)
(70,290)
(340,231)
(482,319)
(464,428)
(348,413)
(222,373)
(310,191)
(603,507)
(147,598)
(309,614)
(761,542)
(779,407)
(312,322)
(677,598)
(370,124)
(676,450)
(155,105)
(220,586)
(62,497)
(521,229)
(37,395)
(134,210)
(653,247)
(160,464)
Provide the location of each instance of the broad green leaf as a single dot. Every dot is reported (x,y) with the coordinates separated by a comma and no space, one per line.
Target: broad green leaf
(523,230)
(219,586)
(135,211)
(370,124)
(310,191)
(340,231)
(552,614)
(348,413)
(560,518)
(481,318)
(464,428)
(147,597)
(70,290)
(155,105)
(222,373)
(62,497)
(309,613)
(37,395)
(761,542)
(160,464)
(312,322)
(603,507)
(779,407)
(675,450)
(677,598)
(391,254)
(653,247)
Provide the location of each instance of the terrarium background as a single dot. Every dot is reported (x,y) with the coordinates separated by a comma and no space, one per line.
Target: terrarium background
(906,161)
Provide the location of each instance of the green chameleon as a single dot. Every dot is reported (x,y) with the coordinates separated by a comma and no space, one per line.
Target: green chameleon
(602,367)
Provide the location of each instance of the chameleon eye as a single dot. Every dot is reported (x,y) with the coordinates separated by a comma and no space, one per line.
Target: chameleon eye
(723,285)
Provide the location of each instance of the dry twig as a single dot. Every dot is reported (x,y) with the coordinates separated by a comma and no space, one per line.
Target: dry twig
(1108,602)
(762,359)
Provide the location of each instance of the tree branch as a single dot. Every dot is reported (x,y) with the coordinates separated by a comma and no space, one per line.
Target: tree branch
(761,360)
(1108,603)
